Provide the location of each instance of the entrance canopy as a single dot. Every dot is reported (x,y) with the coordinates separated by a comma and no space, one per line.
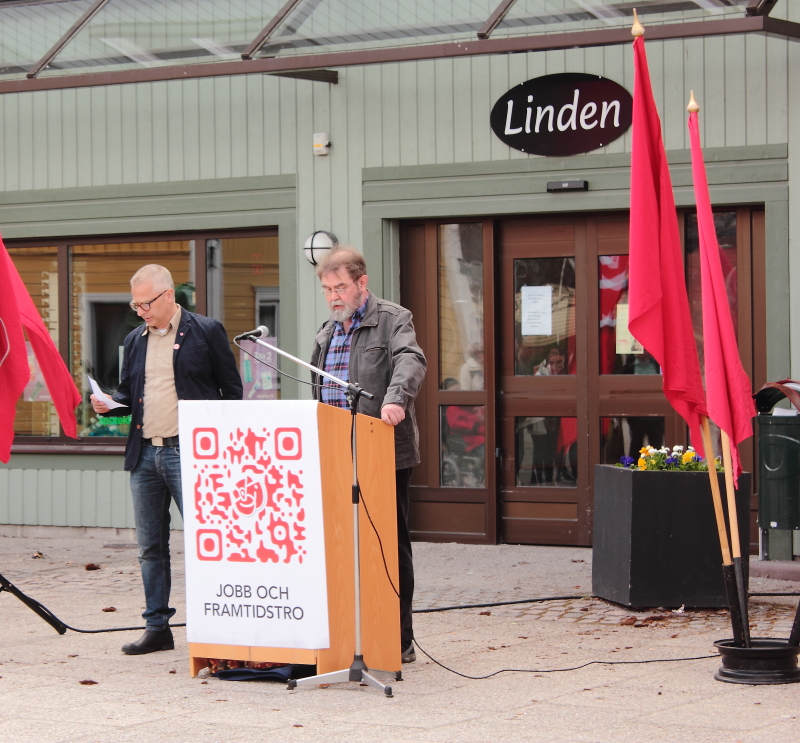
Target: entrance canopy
(46,44)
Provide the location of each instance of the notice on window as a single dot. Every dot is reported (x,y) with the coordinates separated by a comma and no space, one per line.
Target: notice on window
(537,310)
(626,343)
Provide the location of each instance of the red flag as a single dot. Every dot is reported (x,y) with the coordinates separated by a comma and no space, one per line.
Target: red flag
(20,309)
(659,315)
(14,371)
(728,389)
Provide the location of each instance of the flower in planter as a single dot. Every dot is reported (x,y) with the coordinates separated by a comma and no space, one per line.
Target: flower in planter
(664,459)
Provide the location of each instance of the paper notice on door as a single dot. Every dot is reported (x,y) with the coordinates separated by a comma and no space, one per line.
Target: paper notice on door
(626,343)
(103,397)
(537,310)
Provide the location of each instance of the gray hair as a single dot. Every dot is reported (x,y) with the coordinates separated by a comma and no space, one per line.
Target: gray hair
(343,257)
(160,277)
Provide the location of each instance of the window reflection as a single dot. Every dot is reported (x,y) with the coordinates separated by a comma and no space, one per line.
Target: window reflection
(620,352)
(38,268)
(625,436)
(463,446)
(546,451)
(544,316)
(461,360)
(101,318)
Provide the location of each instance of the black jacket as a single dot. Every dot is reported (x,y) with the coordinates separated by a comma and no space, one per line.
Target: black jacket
(204,366)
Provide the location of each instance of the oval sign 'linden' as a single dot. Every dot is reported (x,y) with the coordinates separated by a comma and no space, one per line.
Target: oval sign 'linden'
(563,114)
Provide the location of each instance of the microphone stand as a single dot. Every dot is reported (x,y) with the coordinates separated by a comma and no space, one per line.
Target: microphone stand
(358,670)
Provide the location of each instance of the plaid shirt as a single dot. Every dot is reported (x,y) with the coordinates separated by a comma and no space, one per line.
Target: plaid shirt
(337,361)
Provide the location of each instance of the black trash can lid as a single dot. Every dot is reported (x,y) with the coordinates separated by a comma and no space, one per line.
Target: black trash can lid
(773,392)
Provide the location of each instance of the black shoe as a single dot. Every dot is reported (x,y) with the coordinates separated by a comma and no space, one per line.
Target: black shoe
(150,642)
(409,656)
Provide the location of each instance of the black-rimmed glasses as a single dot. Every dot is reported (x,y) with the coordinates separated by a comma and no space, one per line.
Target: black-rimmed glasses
(135,306)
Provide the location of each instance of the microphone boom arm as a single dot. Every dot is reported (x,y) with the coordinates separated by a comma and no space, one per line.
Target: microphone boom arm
(353,389)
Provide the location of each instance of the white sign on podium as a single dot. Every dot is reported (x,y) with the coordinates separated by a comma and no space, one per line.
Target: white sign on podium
(253,524)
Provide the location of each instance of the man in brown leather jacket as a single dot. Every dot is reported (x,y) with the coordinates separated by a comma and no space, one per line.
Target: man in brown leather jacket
(371,342)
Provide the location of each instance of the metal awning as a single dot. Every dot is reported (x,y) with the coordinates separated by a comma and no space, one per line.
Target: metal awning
(50,44)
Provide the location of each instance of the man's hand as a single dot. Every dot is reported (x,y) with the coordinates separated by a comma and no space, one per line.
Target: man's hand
(98,405)
(392,414)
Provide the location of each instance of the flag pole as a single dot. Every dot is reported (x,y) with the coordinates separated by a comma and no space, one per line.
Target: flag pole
(728,571)
(736,550)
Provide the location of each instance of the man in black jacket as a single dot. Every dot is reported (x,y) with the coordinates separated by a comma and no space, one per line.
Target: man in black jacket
(176,355)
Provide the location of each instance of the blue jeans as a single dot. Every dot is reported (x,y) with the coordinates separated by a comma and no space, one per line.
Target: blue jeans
(155,480)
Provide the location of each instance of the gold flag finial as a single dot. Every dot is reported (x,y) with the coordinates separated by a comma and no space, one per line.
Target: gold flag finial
(637,29)
(693,106)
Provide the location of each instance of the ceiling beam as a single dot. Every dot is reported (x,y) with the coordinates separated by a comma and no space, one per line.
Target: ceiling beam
(66,38)
(494,19)
(384,55)
(760,7)
(268,30)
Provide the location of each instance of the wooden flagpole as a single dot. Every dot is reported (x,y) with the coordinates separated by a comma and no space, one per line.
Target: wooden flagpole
(733,519)
(728,571)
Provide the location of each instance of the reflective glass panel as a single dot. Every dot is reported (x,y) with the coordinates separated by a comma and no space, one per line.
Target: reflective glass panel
(152,33)
(101,318)
(461,361)
(546,452)
(29,30)
(625,436)
(463,446)
(242,285)
(571,15)
(544,316)
(38,267)
(620,352)
(144,33)
(725,226)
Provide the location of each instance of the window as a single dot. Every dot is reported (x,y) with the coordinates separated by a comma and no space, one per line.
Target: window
(82,289)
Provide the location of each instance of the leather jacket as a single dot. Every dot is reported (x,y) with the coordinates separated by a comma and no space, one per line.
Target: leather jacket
(385,360)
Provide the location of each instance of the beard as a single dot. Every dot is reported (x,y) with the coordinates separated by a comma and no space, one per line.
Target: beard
(343,314)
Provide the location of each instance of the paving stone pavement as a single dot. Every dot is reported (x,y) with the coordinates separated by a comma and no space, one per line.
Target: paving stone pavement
(152,698)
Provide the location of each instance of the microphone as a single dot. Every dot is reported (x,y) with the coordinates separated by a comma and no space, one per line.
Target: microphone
(260,332)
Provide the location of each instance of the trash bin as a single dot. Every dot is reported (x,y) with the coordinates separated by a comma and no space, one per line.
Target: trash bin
(779,472)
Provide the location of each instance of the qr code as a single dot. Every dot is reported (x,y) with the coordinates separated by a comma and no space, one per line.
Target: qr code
(248,495)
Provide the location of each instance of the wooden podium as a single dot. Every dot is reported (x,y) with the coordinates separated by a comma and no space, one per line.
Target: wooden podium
(380,608)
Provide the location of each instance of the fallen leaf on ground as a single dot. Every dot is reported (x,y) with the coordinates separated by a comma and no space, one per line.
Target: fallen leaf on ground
(110,608)
(485,613)
(92,566)
(88,682)
(172,670)
(628,621)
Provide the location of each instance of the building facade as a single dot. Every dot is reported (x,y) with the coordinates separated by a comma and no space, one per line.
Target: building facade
(217,178)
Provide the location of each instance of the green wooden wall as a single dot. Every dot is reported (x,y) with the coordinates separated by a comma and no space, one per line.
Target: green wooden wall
(164,139)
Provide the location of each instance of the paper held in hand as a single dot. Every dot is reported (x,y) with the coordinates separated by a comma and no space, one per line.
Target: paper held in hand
(102,396)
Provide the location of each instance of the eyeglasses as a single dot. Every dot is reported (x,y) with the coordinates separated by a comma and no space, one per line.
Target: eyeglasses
(135,306)
(341,289)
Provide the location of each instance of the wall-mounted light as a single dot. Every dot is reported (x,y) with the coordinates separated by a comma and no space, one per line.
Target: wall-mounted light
(318,245)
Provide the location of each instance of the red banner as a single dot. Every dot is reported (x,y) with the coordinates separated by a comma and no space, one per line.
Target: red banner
(728,389)
(659,316)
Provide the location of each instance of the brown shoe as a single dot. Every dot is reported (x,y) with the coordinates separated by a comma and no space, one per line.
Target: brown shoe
(150,642)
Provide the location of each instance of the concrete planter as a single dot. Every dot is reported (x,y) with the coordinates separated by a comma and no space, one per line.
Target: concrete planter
(655,538)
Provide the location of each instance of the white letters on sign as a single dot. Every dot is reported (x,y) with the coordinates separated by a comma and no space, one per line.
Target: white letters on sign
(253,525)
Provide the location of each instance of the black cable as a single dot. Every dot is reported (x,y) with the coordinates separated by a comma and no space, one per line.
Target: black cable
(380,542)
(501,603)
(52,619)
(561,670)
